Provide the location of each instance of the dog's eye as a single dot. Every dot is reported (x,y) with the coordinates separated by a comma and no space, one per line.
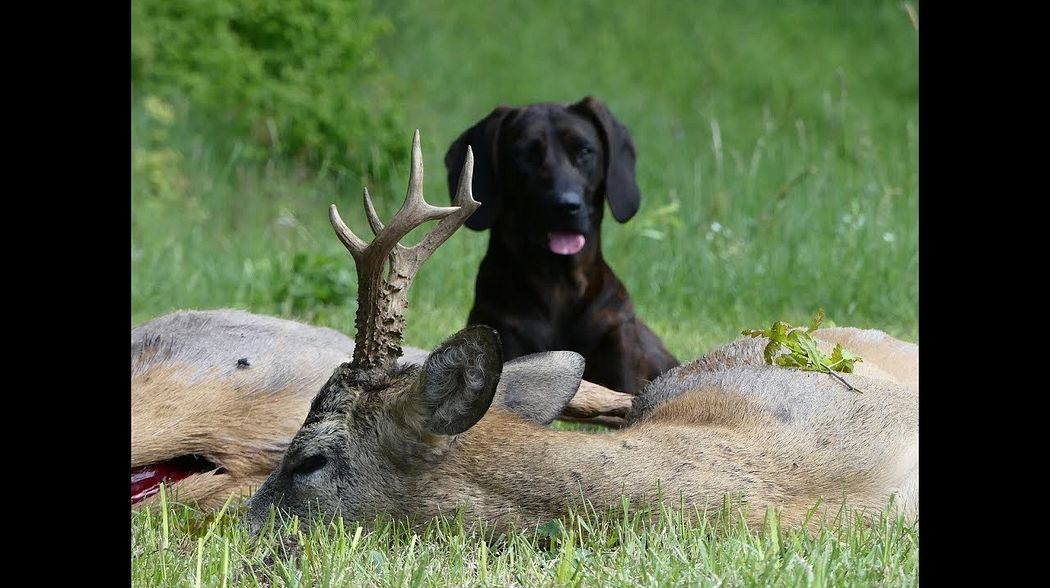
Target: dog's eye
(584,154)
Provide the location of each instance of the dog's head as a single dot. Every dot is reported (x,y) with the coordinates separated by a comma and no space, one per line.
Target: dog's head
(549,168)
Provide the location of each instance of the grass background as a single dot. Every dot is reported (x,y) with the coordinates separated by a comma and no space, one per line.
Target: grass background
(778,162)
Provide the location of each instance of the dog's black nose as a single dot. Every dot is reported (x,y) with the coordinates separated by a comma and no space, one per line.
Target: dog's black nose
(569,202)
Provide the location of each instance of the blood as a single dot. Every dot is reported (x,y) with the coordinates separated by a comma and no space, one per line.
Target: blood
(146,480)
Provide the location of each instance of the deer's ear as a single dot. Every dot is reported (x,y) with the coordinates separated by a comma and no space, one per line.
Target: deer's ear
(538,387)
(459,379)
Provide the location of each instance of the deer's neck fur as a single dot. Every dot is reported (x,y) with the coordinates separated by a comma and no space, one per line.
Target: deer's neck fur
(698,448)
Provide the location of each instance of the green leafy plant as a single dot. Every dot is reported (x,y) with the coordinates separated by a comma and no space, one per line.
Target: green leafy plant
(303,78)
(800,350)
(312,281)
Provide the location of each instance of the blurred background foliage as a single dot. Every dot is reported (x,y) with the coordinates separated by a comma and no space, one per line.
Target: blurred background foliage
(778,150)
(297,78)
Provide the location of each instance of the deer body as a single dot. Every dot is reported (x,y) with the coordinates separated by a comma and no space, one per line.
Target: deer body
(728,425)
(773,436)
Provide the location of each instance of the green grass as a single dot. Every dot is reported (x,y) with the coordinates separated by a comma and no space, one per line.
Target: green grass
(181,546)
(778,162)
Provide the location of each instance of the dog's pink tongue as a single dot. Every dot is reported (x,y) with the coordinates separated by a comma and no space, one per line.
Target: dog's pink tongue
(566,243)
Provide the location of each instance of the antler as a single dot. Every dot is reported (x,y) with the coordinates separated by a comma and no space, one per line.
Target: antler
(382,294)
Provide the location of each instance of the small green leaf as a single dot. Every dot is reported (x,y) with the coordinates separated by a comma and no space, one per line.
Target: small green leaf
(842,360)
(802,350)
(815,358)
(817,319)
(770,351)
(779,331)
(551,529)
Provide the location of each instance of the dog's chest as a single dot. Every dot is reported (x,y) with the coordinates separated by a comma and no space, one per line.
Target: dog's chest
(553,320)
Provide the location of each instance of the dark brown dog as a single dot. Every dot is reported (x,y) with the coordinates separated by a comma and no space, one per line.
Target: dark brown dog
(543,173)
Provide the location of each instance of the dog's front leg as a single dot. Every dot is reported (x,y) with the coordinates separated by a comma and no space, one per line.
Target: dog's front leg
(616,360)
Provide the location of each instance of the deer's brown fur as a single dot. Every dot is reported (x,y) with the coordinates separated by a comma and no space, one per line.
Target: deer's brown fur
(190,395)
(726,424)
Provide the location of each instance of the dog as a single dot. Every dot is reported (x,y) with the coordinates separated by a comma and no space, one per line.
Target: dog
(543,173)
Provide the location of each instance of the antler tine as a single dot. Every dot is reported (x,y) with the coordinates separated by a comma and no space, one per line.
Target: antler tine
(465,205)
(354,244)
(415,210)
(464,192)
(373,218)
(415,179)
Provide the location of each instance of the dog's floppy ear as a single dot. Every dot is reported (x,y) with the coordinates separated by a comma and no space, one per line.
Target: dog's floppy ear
(482,138)
(621,189)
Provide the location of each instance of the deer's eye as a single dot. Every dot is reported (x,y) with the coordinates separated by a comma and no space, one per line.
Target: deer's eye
(310,465)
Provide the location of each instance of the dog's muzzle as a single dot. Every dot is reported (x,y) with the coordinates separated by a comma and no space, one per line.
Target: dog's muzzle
(567,223)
